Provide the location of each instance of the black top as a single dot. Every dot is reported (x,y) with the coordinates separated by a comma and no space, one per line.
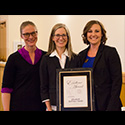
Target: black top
(48,68)
(107,76)
(24,79)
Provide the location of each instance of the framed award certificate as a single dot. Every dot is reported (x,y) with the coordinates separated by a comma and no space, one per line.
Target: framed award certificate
(74,90)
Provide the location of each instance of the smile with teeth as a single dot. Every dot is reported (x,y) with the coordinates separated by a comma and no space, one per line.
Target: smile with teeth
(31,41)
(93,38)
(61,42)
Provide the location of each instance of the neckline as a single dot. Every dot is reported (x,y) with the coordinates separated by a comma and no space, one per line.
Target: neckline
(90,57)
(25,54)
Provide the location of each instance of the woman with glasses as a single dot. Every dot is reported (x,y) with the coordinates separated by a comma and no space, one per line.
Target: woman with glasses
(21,81)
(59,55)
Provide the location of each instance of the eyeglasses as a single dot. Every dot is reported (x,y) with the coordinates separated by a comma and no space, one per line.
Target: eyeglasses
(57,36)
(27,35)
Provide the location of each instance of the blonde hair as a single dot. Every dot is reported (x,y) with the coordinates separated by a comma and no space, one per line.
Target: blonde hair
(26,23)
(52,45)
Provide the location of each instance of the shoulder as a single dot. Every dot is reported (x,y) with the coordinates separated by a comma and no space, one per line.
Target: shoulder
(13,55)
(43,52)
(47,61)
(83,52)
(106,47)
(109,49)
(12,58)
(110,53)
(45,58)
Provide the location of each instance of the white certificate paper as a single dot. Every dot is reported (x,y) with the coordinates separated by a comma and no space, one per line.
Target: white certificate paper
(75,91)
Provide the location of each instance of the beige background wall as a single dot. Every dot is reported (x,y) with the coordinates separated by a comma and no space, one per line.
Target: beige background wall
(114,24)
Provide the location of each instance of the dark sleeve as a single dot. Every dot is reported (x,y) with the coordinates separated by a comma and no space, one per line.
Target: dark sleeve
(9,73)
(116,77)
(44,80)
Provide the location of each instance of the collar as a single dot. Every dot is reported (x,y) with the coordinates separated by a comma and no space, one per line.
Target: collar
(25,54)
(54,53)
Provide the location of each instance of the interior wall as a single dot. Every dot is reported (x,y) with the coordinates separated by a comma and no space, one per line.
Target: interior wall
(2,41)
(114,25)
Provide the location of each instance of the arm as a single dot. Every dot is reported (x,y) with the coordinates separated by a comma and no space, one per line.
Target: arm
(44,82)
(6,101)
(48,105)
(7,82)
(116,77)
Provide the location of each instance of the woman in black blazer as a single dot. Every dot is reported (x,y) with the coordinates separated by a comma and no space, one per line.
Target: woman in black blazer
(105,61)
(60,55)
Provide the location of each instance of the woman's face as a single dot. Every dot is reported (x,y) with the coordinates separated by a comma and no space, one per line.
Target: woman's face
(94,34)
(29,35)
(60,38)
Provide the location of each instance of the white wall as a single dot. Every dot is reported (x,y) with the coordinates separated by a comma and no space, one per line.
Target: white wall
(114,25)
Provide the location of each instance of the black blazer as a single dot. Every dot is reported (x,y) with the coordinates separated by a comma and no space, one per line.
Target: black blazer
(107,76)
(48,68)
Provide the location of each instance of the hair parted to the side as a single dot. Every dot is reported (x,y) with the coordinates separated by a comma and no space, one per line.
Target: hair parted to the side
(52,45)
(26,23)
(87,28)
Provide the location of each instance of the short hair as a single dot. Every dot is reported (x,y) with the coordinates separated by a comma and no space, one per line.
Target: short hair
(52,45)
(88,26)
(26,23)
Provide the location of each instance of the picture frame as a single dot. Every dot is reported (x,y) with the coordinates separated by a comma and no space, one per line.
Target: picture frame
(74,89)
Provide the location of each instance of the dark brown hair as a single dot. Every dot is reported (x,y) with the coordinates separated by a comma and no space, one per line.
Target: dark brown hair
(88,26)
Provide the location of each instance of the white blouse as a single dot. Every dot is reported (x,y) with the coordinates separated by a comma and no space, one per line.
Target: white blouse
(62,60)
